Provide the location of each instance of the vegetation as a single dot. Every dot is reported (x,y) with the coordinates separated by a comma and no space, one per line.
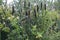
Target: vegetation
(29,20)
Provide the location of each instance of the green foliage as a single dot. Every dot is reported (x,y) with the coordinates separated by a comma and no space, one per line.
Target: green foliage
(1,26)
(0,2)
(57,6)
(22,27)
(6,29)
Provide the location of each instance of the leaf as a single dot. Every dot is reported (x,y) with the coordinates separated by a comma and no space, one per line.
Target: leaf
(6,29)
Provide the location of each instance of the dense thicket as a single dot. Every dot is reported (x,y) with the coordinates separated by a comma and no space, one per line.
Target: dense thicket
(29,20)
